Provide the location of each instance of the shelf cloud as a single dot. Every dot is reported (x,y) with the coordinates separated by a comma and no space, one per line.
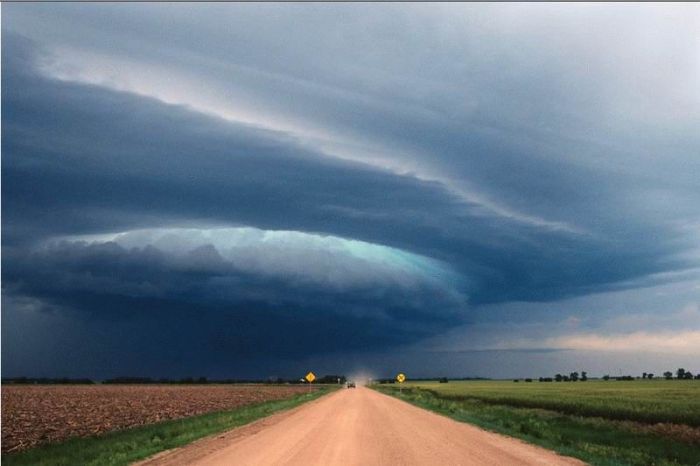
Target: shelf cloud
(202,175)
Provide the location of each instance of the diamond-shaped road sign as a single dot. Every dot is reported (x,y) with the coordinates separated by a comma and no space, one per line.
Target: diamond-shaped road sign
(310,377)
(401,378)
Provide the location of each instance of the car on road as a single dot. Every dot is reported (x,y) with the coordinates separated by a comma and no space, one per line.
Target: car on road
(350,385)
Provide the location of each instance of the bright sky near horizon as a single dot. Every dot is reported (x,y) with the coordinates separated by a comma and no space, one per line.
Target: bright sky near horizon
(254,190)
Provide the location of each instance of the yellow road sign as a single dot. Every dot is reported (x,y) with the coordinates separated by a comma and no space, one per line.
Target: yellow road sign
(310,377)
(401,378)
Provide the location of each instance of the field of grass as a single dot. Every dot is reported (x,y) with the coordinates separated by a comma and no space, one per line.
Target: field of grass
(649,401)
(603,423)
(126,446)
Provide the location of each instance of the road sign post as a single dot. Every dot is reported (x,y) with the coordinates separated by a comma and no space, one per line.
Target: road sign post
(310,377)
(401,378)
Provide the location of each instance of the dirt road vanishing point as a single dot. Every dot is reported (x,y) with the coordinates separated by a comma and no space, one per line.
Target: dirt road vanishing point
(358,427)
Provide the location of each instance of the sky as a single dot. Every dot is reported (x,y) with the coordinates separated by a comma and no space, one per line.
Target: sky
(259,190)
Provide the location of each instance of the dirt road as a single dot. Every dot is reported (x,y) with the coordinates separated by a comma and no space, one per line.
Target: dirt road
(359,427)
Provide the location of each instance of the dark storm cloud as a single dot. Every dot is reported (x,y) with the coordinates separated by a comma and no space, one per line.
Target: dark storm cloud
(105,282)
(519,192)
(496,107)
(109,161)
(91,173)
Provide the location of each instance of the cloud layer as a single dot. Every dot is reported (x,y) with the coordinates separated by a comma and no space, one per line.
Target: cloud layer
(418,166)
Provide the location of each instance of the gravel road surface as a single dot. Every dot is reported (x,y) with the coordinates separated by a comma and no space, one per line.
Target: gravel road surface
(358,427)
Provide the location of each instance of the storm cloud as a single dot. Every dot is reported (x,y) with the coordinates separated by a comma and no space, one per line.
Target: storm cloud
(241,194)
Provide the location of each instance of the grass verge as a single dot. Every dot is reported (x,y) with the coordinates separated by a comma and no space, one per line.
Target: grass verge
(126,446)
(595,440)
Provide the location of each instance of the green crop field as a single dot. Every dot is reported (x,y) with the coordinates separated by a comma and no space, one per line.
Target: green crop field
(650,401)
(639,422)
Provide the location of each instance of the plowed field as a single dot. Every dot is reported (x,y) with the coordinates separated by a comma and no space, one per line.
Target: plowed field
(32,415)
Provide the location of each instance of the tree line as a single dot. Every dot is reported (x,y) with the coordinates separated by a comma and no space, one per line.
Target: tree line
(681,374)
(326,379)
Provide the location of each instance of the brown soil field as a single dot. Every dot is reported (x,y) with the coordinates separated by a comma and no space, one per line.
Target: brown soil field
(37,414)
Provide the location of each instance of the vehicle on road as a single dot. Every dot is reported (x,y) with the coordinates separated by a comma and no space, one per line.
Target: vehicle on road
(350,385)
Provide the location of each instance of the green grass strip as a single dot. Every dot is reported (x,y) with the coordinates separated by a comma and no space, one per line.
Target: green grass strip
(126,446)
(595,440)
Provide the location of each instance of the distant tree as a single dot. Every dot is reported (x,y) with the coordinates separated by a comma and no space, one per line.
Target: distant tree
(680,373)
(668,375)
(644,375)
(573,376)
(558,377)
(565,378)
(688,375)
(528,380)
(697,376)
(606,377)
(443,380)
(129,380)
(46,381)
(650,376)
(331,379)
(516,380)
(584,376)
